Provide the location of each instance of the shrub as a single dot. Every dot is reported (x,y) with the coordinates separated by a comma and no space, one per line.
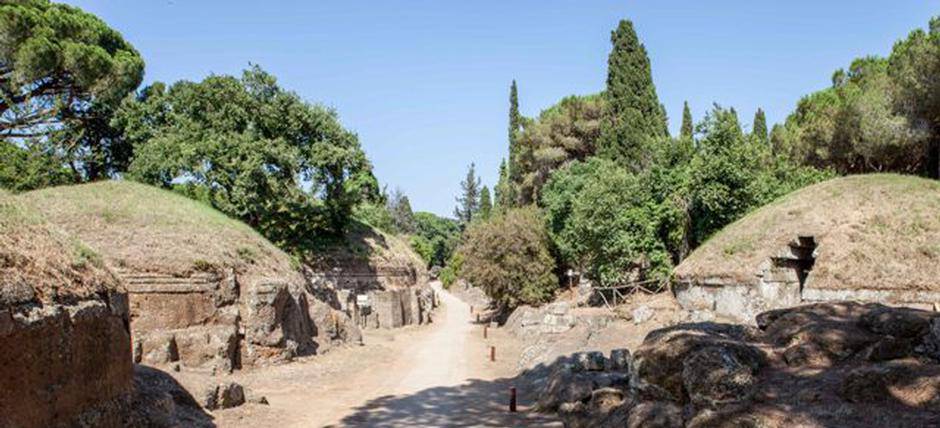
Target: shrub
(508,257)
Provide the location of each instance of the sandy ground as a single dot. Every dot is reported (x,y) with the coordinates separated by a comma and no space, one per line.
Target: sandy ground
(433,375)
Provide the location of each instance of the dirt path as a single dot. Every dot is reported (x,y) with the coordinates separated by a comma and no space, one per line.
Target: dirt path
(436,375)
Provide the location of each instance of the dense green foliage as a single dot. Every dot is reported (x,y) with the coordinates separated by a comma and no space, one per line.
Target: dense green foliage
(508,257)
(468,201)
(515,125)
(442,235)
(635,120)
(620,226)
(486,203)
(686,130)
(62,74)
(504,193)
(400,208)
(882,114)
(252,150)
(563,133)
(759,128)
(28,168)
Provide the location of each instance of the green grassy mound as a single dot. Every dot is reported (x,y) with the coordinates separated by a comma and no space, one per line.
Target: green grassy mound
(41,265)
(879,231)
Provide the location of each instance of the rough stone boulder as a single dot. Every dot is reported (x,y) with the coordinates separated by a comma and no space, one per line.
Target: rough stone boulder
(668,354)
(834,364)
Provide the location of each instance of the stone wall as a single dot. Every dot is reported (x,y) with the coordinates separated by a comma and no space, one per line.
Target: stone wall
(397,296)
(65,365)
(783,281)
(213,322)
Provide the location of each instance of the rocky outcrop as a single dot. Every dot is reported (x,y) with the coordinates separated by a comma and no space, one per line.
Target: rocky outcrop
(381,296)
(838,364)
(64,363)
(220,322)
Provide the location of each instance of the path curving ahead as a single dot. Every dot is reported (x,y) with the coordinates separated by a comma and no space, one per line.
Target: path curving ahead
(433,375)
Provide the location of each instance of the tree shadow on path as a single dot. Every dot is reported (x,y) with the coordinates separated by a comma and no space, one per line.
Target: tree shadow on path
(476,403)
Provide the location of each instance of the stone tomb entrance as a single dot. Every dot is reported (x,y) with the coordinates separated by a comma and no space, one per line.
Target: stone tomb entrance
(780,282)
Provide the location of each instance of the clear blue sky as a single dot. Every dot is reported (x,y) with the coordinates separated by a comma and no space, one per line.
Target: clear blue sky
(425,83)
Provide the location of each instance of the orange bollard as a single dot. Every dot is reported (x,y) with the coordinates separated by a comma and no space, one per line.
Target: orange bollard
(492,353)
(512,399)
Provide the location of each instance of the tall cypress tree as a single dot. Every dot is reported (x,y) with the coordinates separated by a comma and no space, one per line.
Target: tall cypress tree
(515,124)
(468,202)
(486,205)
(760,126)
(503,190)
(635,118)
(686,130)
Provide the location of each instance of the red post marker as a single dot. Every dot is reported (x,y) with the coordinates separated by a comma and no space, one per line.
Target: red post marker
(484,331)
(512,399)
(492,353)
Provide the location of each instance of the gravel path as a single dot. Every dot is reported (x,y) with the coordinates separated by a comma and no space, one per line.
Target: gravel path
(435,375)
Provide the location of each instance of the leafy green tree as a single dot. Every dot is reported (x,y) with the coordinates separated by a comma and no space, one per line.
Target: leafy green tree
(605,222)
(687,126)
(515,126)
(914,65)
(565,132)
(635,118)
(29,168)
(375,215)
(468,202)
(504,190)
(423,248)
(731,175)
(252,150)
(486,205)
(759,129)
(442,233)
(62,73)
(400,208)
(853,126)
(508,257)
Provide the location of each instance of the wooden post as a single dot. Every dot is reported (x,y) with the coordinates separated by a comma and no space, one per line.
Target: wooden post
(492,353)
(512,399)
(484,331)
(478,318)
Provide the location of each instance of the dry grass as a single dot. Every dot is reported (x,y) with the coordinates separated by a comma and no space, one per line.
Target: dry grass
(878,231)
(39,264)
(146,229)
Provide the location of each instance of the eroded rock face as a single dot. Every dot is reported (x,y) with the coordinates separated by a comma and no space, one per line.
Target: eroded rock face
(63,364)
(836,364)
(213,322)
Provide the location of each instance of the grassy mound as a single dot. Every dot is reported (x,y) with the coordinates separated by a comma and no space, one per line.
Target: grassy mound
(39,264)
(147,229)
(878,231)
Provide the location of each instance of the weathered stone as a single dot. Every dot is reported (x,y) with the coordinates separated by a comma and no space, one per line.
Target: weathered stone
(897,322)
(209,398)
(621,360)
(655,414)
(907,382)
(213,347)
(565,386)
(931,341)
(61,364)
(661,357)
(591,361)
(642,314)
(714,376)
(159,349)
(231,395)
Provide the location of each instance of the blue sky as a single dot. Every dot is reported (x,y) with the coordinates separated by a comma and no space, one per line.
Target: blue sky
(425,83)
